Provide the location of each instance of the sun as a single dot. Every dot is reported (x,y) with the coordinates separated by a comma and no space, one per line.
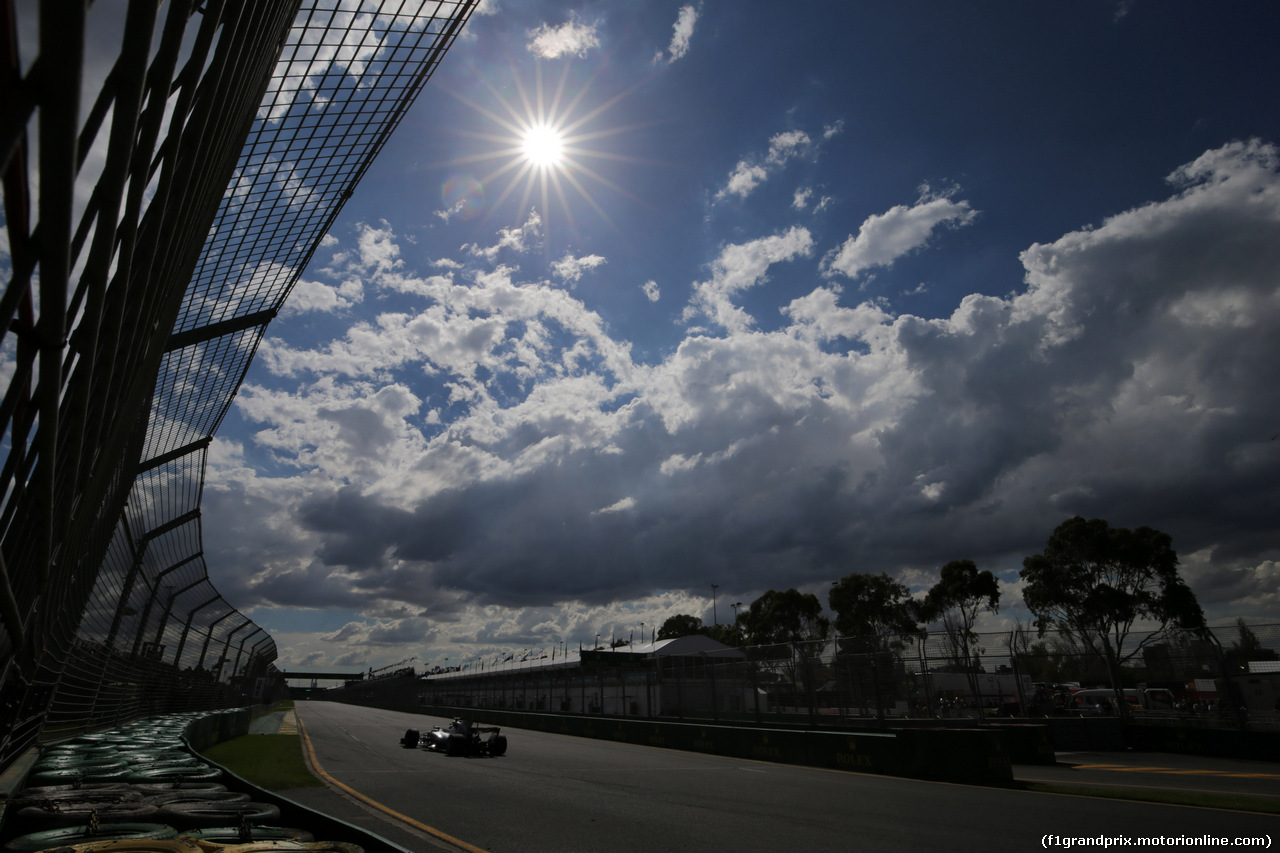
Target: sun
(540,146)
(543,146)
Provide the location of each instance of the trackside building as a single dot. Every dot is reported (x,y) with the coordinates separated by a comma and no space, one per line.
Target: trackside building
(686,675)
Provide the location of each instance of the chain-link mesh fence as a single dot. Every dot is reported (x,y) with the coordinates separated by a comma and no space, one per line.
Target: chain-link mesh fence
(168,170)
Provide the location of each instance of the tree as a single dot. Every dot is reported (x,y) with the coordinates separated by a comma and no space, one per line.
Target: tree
(873,615)
(1095,582)
(792,619)
(870,611)
(784,617)
(955,601)
(722,633)
(1247,648)
(680,625)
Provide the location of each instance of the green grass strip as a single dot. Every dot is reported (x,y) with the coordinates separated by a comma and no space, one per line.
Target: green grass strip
(273,762)
(1232,802)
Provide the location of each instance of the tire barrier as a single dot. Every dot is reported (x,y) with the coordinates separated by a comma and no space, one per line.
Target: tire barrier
(170,797)
(235,835)
(138,845)
(58,838)
(82,814)
(196,815)
(166,787)
(67,796)
(80,749)
(201,773)
(313,846)
(78,762)
(72,775)
(141,789)
(53,790)
(175,763)
(171,758)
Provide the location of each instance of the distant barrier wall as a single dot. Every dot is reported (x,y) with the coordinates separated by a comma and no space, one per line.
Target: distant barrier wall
(959,755)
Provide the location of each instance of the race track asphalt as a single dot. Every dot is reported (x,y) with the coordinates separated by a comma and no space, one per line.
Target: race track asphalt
(564,794)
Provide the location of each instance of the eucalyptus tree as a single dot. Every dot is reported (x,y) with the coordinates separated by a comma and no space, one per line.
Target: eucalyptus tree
(1111,589)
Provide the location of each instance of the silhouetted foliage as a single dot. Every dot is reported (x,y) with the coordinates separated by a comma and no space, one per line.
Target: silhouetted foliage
(681,625)
(954,601)
(872,612)
(1094,583)
(1247,648)
(789,616)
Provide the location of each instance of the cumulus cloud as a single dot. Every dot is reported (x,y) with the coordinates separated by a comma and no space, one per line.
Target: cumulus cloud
(740,267)
(651,291)
(571,38)
(744,178)
(320,297)
(784,146)
(750,173)
(801,198)
(683,34)
(570,269)
(901,230)
(515,240)
(562,488)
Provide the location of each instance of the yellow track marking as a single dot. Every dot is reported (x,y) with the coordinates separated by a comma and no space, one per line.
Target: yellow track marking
(430,830)
(1171,771)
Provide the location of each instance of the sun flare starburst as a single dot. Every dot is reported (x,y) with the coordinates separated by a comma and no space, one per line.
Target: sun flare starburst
(542,146)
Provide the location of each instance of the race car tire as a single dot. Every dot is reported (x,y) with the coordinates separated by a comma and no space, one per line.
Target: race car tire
(497,744)
(54,838)
(410,739)
(193,815)
(231,834)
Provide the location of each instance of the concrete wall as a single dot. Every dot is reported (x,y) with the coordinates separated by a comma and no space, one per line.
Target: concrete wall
(961,755)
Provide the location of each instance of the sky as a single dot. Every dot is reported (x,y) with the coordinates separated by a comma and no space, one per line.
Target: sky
(858,288)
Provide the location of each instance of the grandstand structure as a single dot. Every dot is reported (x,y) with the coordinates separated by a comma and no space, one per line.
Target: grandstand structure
(169,169)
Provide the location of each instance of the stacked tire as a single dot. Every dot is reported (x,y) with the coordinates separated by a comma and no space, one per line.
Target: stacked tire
(138,789)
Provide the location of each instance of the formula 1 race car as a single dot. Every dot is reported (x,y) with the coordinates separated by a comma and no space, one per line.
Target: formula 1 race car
(459,738)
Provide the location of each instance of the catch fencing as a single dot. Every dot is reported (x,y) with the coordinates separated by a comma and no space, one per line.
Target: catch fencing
(169,168)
